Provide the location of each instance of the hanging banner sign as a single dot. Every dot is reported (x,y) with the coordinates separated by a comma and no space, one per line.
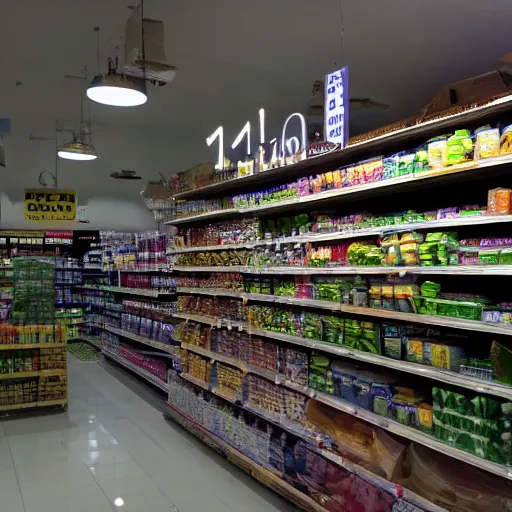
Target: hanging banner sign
(337,105)
(50,204)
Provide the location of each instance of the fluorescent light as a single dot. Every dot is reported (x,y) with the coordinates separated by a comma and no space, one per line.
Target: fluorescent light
(119,502)
(77,150)
(118,90)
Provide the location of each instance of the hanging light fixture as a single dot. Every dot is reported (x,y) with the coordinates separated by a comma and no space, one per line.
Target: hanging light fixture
(117,89)
(79,148)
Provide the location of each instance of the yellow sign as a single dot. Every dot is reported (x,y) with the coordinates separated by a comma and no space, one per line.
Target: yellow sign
(50,204)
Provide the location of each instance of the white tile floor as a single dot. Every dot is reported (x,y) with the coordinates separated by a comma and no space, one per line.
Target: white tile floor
(113,451)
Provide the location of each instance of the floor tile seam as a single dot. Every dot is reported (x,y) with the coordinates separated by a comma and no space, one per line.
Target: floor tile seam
(16,474)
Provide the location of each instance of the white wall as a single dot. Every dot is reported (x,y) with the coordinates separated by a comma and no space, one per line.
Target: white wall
(112,204)
(102,213)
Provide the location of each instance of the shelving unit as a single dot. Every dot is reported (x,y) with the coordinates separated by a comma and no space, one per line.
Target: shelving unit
(128,291)
(406,183)
(454,323)
(140,339)
(358,150)
(455,270)
(486,173)
(137,370)
(434,225)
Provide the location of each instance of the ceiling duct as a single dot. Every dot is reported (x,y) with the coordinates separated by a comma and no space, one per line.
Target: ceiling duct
(156,70)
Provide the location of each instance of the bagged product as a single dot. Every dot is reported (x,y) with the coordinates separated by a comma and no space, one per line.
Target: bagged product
(499,201)
(506,141)
(487,142)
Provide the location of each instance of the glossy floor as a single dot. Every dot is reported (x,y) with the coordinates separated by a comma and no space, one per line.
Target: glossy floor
(113,451)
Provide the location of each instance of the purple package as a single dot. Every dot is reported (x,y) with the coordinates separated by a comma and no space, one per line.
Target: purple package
(491,316)
(166,334)
(157,325)
(145,327)
(447,213)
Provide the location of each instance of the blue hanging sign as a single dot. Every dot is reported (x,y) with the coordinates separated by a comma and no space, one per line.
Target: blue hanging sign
(336,108)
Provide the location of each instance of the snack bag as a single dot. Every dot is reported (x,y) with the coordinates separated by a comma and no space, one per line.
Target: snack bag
(487,142)
(506,141)
(499,201)
(459,147)
(437,153)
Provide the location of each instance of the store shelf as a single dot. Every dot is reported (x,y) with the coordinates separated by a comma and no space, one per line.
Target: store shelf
(32,405)
(234,268)
(25,375)
(402,183)
(473,384)
(129,291)
(263,475)
(456,379)
(370,477)
(412,434)
(441,321)
(153,379)
(60,269)
(139,339)
(215,356)
(22,346)
(141,270)
(214,322)
(67,305)
(455,270)
(388,424)
(437,225)
(386,143)
(198,382)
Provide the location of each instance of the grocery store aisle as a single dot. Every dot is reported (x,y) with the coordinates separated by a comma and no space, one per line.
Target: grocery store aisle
(113,450)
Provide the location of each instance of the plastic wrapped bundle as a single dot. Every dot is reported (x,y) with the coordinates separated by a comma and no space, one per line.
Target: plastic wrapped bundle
(359,442)
(453,485)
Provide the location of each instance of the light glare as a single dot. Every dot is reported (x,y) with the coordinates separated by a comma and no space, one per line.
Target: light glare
(116,96)
(67,155)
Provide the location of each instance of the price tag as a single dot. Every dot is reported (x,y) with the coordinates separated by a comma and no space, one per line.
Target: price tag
(219,323)
(230,327)
(240,327)
(280,379)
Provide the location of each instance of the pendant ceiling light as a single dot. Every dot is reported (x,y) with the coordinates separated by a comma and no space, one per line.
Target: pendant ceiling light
(118,90)
(79,148)
(115,88)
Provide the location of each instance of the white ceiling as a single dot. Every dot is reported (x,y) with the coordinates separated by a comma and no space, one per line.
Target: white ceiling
(234,56)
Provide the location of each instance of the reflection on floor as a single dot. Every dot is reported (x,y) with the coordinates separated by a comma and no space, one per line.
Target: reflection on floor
(113,451)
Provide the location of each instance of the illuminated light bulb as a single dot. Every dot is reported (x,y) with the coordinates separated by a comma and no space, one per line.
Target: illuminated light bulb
(246,130)
(77,150)
(303,134)
(293,145)
(262,125)
(218,134)
(119,502)
(274,158)
(118,90)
